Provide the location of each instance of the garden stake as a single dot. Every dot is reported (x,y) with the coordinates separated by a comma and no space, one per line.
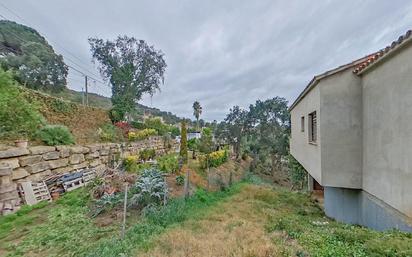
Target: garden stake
(124,211)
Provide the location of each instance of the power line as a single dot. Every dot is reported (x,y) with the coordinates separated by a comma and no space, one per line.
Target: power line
(73,68)
(56,43)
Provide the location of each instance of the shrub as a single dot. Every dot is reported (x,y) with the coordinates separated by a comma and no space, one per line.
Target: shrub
(124,126)
(110,133)
(141,134)
(168,163)
(157,124)
(180,180)
(297,173)
(55,135)
(130,163)
(147,154)
(117,114)
(138,125)
(213,159)
(19,118)
(106,203)
(149,189)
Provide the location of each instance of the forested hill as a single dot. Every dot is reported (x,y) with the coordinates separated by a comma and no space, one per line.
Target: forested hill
(34,63)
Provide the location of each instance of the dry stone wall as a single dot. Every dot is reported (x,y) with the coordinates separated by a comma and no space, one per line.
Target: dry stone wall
(37,162)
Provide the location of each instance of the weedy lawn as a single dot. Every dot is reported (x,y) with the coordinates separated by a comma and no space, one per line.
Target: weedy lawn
(248,219)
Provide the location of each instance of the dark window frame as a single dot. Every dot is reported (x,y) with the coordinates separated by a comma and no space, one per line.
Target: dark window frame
(312,127)
(302,124)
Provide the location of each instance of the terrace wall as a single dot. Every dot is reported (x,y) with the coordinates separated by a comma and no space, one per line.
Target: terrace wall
(37,162)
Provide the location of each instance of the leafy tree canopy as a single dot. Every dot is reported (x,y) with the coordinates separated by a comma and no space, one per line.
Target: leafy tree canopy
(132,67)
(32,60)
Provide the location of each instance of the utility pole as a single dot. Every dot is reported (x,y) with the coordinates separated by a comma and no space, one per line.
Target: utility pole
(83,96)
(87,91)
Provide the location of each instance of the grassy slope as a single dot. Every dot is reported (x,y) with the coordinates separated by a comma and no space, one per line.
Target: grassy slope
(260,221)
(246,220)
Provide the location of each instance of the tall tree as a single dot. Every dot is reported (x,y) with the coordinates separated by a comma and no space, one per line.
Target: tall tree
(132,67)
(270,128)
(236,126)
(197,111)
(183,142)
(32,60)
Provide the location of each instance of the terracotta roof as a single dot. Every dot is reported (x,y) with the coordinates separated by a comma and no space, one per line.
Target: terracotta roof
(383,52)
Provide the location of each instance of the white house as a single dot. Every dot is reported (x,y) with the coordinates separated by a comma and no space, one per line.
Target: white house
(352,131)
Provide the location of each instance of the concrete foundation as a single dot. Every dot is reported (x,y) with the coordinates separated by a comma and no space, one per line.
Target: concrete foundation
(356,206)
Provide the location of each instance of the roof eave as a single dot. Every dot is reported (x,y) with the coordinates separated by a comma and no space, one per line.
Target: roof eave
(384,57)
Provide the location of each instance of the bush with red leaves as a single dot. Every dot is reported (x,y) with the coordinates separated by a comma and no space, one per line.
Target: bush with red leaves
(124,126)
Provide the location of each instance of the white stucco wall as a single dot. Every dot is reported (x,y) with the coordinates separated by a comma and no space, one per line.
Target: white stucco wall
(341,125)
(308,155)
(387,129)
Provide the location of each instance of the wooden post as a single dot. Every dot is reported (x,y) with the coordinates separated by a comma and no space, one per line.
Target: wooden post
(208,173)
(124,211)
(187,184)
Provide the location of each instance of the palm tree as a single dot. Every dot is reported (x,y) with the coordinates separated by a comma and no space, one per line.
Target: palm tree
(197,111)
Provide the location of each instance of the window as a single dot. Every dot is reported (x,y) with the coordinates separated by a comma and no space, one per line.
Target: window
(302,124)
(312,124)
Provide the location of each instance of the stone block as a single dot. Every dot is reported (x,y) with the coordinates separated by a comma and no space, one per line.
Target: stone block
(41,149)
(19,173)
(64,153)
(104,159)
(51,155)
(38,167)
(105,151)
(38,176)
(13,194)
(92,155)
(62,170)
(76,158)
(14,152)
(12,162)
(95,163)
(94,148)
(7,189)
(80,165)
(53,164)
(31,159)
(79,149)
(5,170)
(5,180)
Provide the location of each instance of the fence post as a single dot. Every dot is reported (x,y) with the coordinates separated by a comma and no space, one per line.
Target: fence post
(124,212)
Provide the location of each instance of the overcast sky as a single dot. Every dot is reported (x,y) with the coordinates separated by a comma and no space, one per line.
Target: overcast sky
(221,53)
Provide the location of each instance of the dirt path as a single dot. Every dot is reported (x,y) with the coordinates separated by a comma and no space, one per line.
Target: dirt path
(235,227)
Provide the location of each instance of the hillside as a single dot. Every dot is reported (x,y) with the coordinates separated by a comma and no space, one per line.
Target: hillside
(99,101)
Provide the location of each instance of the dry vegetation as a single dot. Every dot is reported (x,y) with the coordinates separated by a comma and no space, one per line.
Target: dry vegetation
(233,228)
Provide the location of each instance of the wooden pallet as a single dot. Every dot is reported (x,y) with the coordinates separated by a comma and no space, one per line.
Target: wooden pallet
(35,192)
(73,184)
(88,176)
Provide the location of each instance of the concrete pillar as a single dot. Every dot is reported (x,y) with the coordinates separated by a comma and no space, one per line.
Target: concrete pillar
(310,183)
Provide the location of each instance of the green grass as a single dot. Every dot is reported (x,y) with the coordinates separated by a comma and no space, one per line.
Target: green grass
(140,236)
(305,222)
(61,229)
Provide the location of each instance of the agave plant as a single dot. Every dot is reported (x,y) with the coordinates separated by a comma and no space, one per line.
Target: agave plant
(149,189)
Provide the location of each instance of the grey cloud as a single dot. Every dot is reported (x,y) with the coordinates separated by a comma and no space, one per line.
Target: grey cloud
(224,53)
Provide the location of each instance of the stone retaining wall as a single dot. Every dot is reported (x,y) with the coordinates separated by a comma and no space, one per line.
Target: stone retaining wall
(37,162)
